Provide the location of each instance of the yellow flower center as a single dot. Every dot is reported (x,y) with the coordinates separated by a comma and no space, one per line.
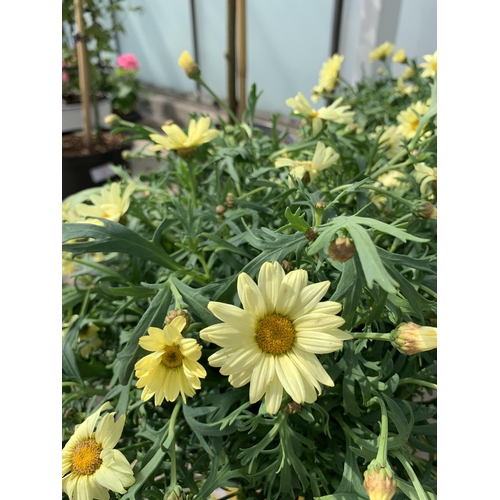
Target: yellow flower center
(275,334)
(86,458)
(434,66)
(172,357)
(414,124)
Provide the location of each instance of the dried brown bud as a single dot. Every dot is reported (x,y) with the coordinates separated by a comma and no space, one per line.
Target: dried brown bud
(69,413)
(287,266)
(342,249)
(178,312)
(320,205)
(311,234)
(292,407)
(220,209)
(426,210)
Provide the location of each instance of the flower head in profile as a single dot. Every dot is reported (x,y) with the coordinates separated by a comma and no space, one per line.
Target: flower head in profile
(323,157)
(409,119)
(426,177)
(189,66)
(410,338)
(400,56)
(272,342)
(90,464)
(199,132)
(391,139)
(381,52)
(328,76)
(110,203)
(172,368)
(335,112)
(430,66)
(128,62)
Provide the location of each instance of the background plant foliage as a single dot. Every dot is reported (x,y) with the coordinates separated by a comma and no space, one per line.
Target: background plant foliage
(175,250)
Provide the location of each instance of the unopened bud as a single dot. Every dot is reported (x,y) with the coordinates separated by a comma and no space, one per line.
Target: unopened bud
(69,413)
(111,119)
(126,155)
(342,249)
(189,66)
(320,205)
(292,407)
(230,200)
(287,266)
(220,209)
(426,210)
(311,234)
(174,493)
(410,338)
(178,312)
(380,483)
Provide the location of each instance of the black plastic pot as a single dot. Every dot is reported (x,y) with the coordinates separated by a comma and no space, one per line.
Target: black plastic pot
(83,172)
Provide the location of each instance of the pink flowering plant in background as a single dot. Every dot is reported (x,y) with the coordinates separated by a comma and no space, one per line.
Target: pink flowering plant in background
(128,62)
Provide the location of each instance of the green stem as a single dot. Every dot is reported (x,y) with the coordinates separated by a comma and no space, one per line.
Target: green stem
(372,336)
(409,204)
(390,166)
(134,446)
(384,432)
(250,193)
(416,381)
(422,495)
(428,290)
(222,103)
(208,274)
(171,433)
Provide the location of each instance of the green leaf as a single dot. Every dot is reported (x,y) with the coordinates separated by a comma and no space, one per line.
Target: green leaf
(69,364)
(297,221)
(114,237)
(196,301)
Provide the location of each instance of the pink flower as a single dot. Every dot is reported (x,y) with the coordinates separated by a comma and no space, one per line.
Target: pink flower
(128,62)
(65,77)
(64,63)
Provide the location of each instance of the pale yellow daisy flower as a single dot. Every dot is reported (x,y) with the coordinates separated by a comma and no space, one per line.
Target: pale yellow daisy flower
(381,52)
(328,75)
(430,65)
(89,335)
(199,132)
(334,113)
(426,177)
(407,73)
(272,342)
(90,464)
(400,56)
(391,139)
(172,366)
(68,265)
(323,157)
(409,119)
(109,203)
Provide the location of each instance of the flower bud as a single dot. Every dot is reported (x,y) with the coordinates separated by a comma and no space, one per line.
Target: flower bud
(380,483)
(220,209)
(178,312)
(292,407)
(311,234)
(111,119)
(320,205)
(230,200)
(287,266)
(426,210)
(410,338)
(126,155)
(342,249)
(189,66)
(174,493)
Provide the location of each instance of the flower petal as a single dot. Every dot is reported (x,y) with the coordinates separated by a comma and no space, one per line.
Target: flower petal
(289,291)
(239,318)
(308,299)
(271,275)
(250,296)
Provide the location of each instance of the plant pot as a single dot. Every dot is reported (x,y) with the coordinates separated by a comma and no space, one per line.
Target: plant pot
(72,119)
(91,170)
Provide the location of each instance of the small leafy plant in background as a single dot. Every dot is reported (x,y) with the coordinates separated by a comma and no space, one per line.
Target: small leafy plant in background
(261,315)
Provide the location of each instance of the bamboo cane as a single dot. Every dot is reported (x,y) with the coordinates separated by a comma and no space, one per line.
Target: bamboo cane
(241,31)
(231,56)
(83,72)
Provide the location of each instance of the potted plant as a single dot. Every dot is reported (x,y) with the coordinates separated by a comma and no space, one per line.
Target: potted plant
(88,148)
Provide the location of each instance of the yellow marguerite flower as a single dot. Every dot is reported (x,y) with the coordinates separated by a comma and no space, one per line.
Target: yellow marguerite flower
(68,266)
(409,119)
(90,464)
(188,65)
(426,177)
(390,179)
(89,334)
(109,203)
(328,76)
(335,112)
(272,342)
(391,139)
(406,74)
(323,157)
(172,366)
(381,52)
(198,133)
(430,66)
(400,56)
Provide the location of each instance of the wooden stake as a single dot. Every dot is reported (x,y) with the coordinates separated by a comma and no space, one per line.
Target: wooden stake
(231,55)
(83,72)
(241,31)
